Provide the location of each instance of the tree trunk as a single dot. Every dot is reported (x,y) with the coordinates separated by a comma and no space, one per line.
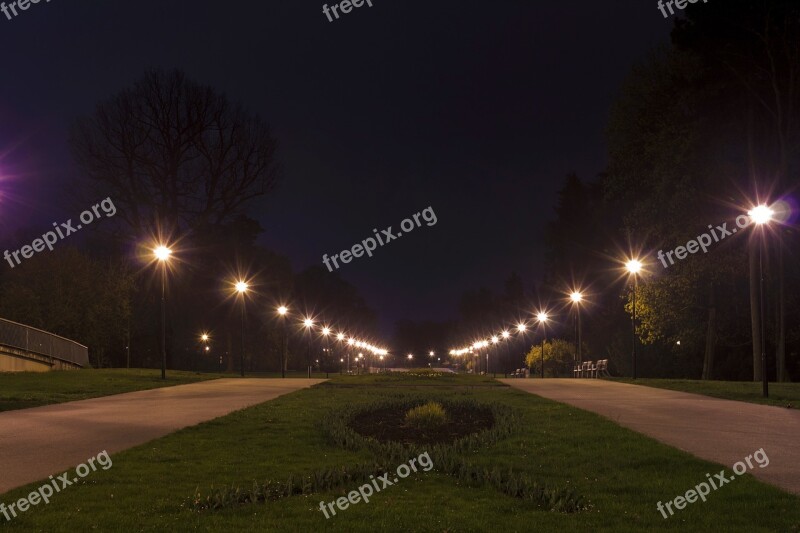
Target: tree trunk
(755,311)
(711,335)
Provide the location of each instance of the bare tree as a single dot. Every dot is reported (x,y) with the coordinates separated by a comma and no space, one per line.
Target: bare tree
(174,155)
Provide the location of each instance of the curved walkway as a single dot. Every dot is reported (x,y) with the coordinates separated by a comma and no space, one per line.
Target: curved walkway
(722,431)
(38,442)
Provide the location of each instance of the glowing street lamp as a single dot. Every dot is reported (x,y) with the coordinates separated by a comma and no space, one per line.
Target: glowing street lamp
(241,287)
(162,254)
(506,334)
(308,324)
(282,312)
(634,266)
(762,215)
(204,338)
(542,318)
(577,298)
(326,331)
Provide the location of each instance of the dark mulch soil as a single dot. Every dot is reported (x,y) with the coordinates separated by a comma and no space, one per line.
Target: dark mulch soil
(388,425)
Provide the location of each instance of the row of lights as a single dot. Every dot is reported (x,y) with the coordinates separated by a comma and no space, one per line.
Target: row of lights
(163,253)
(759,215)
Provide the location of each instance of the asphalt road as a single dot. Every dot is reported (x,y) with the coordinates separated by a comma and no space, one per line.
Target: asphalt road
(42,441)
(722,431)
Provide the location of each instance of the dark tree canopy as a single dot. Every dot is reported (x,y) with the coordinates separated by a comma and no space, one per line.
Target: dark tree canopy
(174,155)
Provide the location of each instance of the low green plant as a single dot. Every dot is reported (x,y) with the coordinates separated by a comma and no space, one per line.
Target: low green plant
(427,416)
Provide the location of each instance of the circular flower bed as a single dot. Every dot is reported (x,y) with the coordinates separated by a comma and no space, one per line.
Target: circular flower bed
(390,423)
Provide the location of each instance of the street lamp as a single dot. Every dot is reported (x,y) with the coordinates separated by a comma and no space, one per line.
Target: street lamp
(241,288)
(542,318)
(308,324)
(634,266)
(162,255)
(410,358)
(762,215)
(494,340)
(350,343)
(577,298)
(204,338)
(521,327)
(326,331)
(282,311)
(505,334)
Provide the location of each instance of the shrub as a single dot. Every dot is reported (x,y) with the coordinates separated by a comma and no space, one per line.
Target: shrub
(426,416)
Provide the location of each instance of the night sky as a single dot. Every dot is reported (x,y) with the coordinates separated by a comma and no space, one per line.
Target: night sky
(476,109)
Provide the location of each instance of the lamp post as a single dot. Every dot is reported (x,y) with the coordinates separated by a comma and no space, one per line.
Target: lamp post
(326,331)
(521,327)
(762,215)
(204,338)
(282,310)
(241,288)
(410,358)
(577,298)
(340,337)
(308,324)
(505,334)
(542,318)
(162,254)
(350,342)
(634,266)
(495,340)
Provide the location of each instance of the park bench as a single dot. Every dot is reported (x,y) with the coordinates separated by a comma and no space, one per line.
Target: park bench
(602,369)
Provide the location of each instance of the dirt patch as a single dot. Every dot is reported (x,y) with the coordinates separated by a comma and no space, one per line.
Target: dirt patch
(388,424)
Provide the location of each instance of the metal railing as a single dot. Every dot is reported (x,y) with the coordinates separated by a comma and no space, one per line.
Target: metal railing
(41,342)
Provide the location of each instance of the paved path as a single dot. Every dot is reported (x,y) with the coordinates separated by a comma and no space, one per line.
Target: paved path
(38,442)
(722,431)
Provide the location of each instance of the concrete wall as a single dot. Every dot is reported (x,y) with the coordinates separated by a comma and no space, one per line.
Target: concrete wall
(12,363)
(13,360)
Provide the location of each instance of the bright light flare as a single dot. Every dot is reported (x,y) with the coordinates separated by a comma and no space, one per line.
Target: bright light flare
(761,214)
(542,317)
(634,266)
(506,334)
(521,327)
(307,322)
(326,331)
(576,296)
(162,253)
(282,310)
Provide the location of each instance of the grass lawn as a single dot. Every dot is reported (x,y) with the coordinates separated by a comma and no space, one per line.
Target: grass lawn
(780,394)
(20,390)
(622,474)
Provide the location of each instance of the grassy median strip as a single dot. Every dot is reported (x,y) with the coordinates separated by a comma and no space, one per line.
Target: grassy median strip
(620,473)
(780,394)
(21,390)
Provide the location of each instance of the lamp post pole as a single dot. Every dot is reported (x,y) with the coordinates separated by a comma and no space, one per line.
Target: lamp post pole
(633,325)
(242,356)
(764,380)
(163,320)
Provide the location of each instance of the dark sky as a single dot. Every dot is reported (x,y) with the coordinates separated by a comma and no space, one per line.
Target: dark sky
(477,109)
